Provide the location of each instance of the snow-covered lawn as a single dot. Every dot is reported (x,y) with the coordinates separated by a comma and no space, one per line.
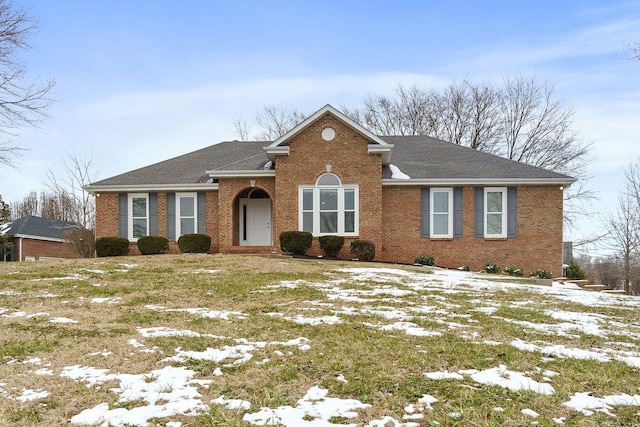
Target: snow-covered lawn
(191,340)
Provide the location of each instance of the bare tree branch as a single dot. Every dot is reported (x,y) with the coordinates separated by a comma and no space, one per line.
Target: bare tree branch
(242,128)
(81,170)
(23,102)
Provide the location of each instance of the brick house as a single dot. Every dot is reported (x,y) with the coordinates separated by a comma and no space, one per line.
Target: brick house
(37,239)
(410,195)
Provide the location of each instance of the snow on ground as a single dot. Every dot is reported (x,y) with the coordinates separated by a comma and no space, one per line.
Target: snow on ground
(172,390)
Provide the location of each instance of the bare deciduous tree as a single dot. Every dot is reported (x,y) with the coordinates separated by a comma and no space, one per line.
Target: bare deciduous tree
(81,241)
(519,120)
(80,170)
(623,232)
(242,128)
(275,122)
(635,50)
(22,102)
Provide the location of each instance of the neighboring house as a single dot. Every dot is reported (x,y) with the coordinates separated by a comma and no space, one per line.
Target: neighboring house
(410,195)
(38,239)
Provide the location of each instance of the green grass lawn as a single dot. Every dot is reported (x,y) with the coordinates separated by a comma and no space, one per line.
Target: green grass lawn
(221,339)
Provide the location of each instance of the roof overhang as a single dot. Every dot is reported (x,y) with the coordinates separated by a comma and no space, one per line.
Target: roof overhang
(278,147)
(93,189)
(48,239)
(270,173)
(565,182)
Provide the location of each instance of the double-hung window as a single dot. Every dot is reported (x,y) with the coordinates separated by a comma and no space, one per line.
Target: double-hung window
(186,213)
(441,221)
(495,212)
(139,215)
(329,207)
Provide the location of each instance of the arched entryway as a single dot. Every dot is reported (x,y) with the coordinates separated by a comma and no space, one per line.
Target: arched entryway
(255,218)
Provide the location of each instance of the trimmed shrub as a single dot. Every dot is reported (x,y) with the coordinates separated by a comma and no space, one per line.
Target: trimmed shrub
(194,243)
(295,242)
(542,274)
(491,268)
(574,271)
(112,246)
(512,271)
(152,245)
(331,245)
(364,250)
(425,260)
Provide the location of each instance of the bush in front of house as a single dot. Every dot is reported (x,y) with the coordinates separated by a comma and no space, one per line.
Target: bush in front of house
(542,274)
(331,245)
(491,268)
(112,246)
(364,250)
(513,271)
(425,260)
(194,243)
(152,245)
(295,242)
(574,271)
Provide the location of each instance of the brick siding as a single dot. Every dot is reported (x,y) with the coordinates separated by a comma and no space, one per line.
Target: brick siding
(40,248)
(389,216)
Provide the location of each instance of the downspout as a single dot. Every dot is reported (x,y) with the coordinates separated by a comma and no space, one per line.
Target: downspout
(20,246)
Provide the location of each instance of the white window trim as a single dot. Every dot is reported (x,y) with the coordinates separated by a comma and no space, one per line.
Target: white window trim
(195,212)
(130,218)
(504,212)
(341,209)
(432,212)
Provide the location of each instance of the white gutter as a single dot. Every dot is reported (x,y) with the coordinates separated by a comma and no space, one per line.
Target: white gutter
(480,181)
(47,239)
(150,187)
(241,173)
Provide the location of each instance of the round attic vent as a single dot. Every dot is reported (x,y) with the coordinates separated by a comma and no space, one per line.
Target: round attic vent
(328,134)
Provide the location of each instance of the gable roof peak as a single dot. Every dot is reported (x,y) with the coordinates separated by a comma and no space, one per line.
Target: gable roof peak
(376,144)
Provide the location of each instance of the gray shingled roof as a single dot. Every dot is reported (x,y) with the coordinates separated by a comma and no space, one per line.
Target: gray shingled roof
(420,157)
(37,226)
(423,157)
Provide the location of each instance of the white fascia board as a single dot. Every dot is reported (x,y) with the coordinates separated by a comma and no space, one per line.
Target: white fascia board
(566,182)
(316,115)
(48,239)
(241,174)
(385,150)
(272,152)
(144,188)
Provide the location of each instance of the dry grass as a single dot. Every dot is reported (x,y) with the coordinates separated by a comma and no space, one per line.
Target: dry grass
(384,368)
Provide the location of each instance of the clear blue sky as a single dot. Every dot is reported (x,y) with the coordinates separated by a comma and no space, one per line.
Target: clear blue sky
(142,81)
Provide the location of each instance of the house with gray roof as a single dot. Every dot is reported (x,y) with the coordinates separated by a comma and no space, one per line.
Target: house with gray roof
(37,239)
(410,195)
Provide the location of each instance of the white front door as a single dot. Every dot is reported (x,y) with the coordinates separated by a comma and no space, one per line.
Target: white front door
(255,222)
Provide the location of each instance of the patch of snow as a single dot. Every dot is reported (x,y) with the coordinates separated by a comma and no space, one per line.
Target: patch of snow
(233,404)
(314,404)
(444,375)
(62,320)
(167,392)
(530,412)
(396,173)
(586,403)
(512,380)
